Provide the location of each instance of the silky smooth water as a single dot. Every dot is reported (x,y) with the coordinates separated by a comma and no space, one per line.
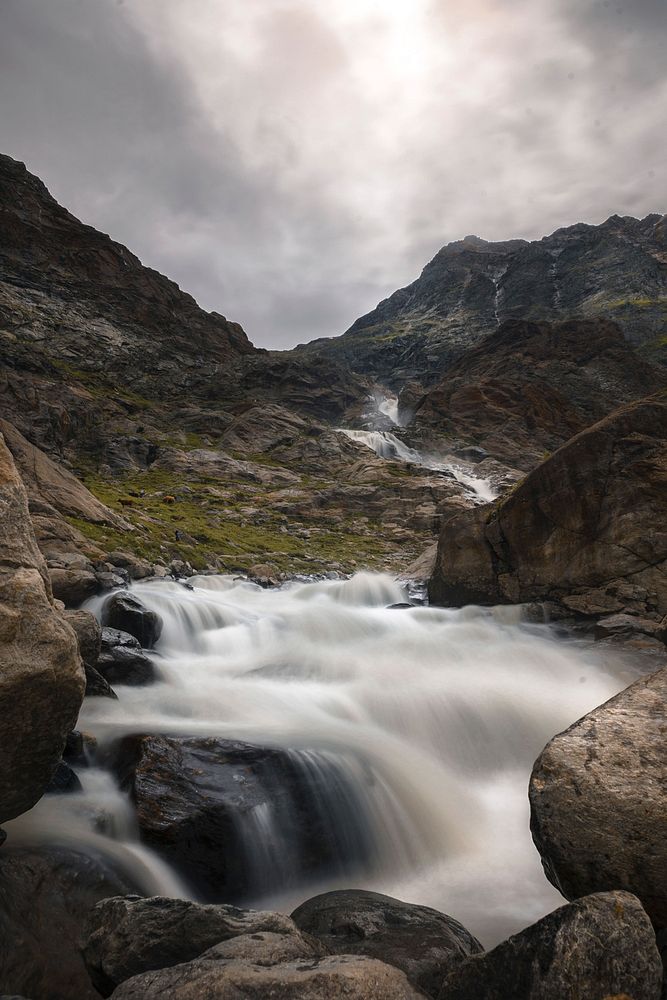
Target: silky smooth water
(420,724)
(387,445)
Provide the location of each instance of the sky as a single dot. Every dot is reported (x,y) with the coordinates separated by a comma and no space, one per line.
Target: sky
(292,162)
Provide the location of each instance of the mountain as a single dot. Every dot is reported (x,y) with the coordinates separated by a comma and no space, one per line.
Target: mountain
(617,271)
(524,389)
(139,421)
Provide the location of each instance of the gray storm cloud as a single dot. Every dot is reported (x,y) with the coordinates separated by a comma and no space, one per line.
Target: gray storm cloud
(291,163)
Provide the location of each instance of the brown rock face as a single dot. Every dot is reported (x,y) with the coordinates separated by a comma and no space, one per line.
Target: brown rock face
(601,947)
(599,800)
(41,676)
(528,387)
(591,516)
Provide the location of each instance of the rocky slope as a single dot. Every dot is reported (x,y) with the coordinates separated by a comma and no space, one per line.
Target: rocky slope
(525,389)
(617,271)
(140,421)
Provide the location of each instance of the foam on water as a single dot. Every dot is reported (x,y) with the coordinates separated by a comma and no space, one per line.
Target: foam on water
(415,729)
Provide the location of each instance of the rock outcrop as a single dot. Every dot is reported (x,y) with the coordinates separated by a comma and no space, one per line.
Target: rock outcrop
(125,936)
(587,526)
(41,675)
(599,800)
(417,939)
(601,947)
(527,388)
(263,965)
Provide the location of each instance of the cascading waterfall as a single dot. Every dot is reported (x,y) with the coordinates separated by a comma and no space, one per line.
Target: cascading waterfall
(412,733)
(387,445)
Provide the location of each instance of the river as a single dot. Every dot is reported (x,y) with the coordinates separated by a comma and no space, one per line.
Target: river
(424,721)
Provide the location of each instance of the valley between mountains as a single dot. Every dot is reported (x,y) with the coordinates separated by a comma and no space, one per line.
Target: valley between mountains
(333,631)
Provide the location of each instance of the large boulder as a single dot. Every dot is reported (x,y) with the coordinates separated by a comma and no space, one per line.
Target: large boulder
(592,516)
(601,947)
(73,586)
(46,896)
(127,613)
(263,965)
(420,941)
(88,634)
(193,794)
(599,799)
(41,675)
(128,935)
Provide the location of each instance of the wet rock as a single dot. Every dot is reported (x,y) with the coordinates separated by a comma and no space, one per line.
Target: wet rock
(601,947)
(417,939)
(590,520)
(122,665)
(599,799)
(122,661)
(194,793)
(96,685)
(126,936)
(88,634)
(264,965)
(63,780)
(41,675)
(73,586)
(46,897)
(127,613)
(78,747)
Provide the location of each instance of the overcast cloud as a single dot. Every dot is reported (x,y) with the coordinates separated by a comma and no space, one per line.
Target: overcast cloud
(291,162)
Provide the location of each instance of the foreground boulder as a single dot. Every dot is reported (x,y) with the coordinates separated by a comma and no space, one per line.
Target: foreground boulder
(193,794)
(259,966)
(125,936)
(41,675)
(46,896)
(601,947)
(126,612)
(417,939)
(590,518)
(599,799)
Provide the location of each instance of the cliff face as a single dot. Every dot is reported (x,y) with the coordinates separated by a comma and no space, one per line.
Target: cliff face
(528,387)
(617,271)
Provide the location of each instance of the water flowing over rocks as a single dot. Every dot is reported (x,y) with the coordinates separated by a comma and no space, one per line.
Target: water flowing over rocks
(125,936)
(275,815)
(41,675)
(599,800)
(125,612)
(589,521)
(601,947)
(417,939)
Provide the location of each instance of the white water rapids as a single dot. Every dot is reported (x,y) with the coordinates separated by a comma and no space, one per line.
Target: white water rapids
(425,723)
(387,445)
